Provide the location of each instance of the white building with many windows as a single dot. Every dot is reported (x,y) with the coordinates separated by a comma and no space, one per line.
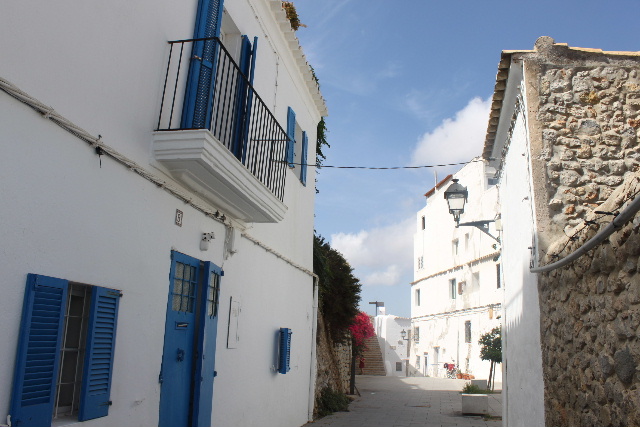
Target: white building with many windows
(157,214)
(457,293)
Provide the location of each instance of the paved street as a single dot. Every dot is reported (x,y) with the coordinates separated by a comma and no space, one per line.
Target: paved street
(409,402)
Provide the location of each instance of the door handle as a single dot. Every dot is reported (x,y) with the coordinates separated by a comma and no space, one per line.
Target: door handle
(180,355)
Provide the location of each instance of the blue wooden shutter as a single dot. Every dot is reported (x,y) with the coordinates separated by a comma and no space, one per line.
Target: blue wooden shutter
(205,365)
(284,364)
(100,348)
(291,135)
(38,355)
(198,100)
(242,95)
(303,160)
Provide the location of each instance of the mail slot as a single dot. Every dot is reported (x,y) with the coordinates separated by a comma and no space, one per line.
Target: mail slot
(182,325)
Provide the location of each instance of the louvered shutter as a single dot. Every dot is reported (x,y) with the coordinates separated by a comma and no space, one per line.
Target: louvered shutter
(285,351)
(303,160)
(291,135)
(205,366)
(38,353)
(202,69)
(100,348)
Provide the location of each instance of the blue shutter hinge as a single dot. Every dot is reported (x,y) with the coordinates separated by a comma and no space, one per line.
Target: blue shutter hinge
(221,273)
(215,374)
(160,379)
(108,403)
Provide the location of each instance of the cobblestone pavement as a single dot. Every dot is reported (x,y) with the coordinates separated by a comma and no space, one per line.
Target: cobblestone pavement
(409,402)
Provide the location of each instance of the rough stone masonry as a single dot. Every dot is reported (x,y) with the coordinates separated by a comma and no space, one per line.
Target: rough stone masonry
(588,120)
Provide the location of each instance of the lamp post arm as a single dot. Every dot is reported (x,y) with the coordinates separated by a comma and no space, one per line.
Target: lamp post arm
(482,226)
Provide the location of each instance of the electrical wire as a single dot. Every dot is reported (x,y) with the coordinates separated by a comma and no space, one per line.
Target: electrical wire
(382,167)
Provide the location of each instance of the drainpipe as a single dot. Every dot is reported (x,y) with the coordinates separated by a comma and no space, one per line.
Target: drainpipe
(314,363)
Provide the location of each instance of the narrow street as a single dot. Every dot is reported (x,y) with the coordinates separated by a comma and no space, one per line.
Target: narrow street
(410,402)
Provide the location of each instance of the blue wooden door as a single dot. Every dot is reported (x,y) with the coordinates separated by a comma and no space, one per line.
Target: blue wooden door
(178,362)
(206,344)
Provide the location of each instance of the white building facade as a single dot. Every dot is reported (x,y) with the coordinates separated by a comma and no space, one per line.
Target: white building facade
(157,215)
(392,345)
(457,291)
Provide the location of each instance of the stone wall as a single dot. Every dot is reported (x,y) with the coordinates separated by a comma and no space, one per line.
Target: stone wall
(589,117)
(334,361)
(590,326)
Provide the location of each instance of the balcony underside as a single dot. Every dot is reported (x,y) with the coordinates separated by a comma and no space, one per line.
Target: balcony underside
(198,160)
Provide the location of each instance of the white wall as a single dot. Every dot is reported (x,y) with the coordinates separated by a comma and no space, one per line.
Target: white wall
(523,387)
(441,319)
(66,215)
(394,349)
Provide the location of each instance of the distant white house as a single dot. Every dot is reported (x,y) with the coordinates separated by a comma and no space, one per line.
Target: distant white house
(457,292)
(157,214)
(393,347)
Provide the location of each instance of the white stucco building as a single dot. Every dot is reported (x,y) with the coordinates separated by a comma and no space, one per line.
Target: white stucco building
(157,215)
(457,291)
(389,329)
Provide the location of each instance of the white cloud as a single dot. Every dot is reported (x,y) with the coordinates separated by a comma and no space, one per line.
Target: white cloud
(379,256)
(456,139)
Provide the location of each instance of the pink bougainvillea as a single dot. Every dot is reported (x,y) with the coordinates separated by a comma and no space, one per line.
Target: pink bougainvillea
(361,329)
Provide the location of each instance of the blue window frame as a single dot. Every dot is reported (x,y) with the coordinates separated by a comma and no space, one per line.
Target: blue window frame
(39,354)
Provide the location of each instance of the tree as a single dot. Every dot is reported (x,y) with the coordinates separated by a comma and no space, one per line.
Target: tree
(491,349)
(339,289)
(361,330)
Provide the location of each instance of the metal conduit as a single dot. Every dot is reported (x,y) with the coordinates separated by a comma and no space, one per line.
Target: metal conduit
(615,225)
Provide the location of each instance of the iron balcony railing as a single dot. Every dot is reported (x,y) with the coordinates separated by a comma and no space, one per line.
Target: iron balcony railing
(211,92)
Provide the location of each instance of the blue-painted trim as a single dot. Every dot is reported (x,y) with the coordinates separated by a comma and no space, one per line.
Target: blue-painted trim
(45,300)
(291,136)
(284,364)
(303,160)
(205,364)
(100,352)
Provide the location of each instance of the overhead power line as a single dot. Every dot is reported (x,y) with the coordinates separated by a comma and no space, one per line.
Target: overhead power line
(382,167)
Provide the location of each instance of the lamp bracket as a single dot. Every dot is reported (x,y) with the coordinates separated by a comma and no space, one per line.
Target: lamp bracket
(482,226)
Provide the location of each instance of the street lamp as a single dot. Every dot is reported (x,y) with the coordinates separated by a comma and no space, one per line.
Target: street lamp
(406,338)
(456,196)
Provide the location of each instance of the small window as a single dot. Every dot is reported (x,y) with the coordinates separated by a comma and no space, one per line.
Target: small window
(462,286)
(476,281)
(185,282)
(398,366)
(466,241)
(424,222)
(74,340)
(453,289)
(416,334)
(417,362)
(498,276)
(467,331)
(420,262)
(454,247)
(417,300)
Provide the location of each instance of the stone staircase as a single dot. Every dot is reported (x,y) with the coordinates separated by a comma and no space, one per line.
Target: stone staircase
(373,362)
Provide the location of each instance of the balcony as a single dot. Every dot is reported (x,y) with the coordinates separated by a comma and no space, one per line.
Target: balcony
(217,136)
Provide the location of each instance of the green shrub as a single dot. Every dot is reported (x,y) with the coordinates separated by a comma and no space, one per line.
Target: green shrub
(472,389)
(331,401)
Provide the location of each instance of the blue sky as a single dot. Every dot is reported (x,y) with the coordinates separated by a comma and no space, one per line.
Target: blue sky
(408,83)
